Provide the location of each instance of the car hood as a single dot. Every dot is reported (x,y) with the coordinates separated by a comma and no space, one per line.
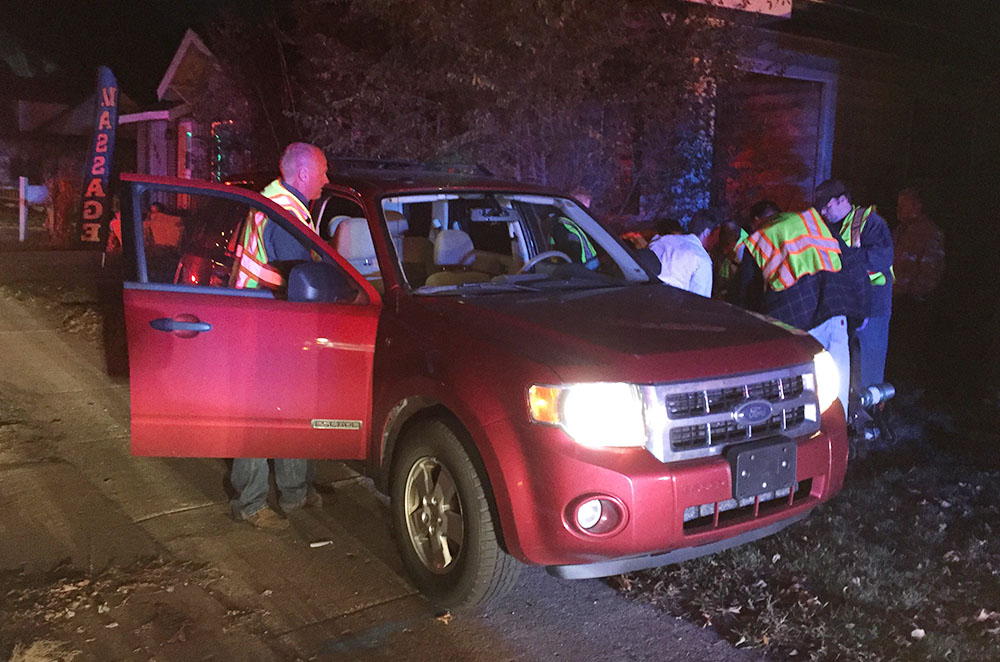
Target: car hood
(644,331)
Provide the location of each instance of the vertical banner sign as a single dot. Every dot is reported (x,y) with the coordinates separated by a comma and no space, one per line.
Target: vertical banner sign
(96,176)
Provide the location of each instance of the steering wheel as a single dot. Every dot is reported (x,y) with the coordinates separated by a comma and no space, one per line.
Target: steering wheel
(544,255)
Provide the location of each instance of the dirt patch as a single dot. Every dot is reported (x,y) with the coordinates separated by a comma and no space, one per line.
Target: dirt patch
(71,309)
(122,613)
(21,439)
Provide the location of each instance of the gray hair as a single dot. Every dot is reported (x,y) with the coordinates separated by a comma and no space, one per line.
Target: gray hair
(295,156)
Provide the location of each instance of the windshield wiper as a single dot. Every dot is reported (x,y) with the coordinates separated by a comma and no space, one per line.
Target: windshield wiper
(475,288)
(578,283)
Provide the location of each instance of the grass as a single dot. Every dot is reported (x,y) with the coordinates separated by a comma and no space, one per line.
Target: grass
(43,651)
(8,217)
(37,236)
(903,564)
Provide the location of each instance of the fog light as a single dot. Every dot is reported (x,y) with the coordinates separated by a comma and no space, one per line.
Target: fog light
(595,515)
(589,514)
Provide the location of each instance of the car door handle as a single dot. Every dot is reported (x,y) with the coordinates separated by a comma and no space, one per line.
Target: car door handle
(189,324)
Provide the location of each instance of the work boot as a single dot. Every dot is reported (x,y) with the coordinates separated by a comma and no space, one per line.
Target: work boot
(265,518)
(313,500)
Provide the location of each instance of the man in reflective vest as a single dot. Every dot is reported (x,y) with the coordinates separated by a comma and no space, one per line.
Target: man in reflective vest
(264,244)
(566,236)
(866,233)
(799,263)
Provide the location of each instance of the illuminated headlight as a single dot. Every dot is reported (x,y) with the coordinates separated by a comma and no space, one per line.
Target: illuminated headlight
(597,414)
(827,379)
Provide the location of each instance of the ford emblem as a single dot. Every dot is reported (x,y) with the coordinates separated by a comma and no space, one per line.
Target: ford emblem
(753,412)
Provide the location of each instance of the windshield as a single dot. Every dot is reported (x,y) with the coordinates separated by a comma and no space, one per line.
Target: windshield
(487,242)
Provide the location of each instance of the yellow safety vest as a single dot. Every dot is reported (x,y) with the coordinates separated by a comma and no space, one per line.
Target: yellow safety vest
(792,246)
(850,231)
(587,250)
(253,269)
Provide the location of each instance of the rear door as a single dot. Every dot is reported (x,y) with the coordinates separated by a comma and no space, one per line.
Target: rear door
(223,372)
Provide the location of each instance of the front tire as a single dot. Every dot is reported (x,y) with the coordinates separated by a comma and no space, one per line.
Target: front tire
(443,522)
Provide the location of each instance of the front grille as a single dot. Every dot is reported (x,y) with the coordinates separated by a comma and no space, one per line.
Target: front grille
(699,419)
(699,403)
(727,432)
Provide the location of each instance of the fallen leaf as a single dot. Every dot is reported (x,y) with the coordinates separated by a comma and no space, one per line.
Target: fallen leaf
(624,581)
(444,618)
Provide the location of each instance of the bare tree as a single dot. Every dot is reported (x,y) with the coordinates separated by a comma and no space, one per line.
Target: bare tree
(615,96)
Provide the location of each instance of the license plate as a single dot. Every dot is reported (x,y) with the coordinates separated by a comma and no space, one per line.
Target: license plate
(762,466)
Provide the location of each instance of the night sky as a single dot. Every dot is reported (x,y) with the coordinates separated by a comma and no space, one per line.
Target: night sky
(136,38)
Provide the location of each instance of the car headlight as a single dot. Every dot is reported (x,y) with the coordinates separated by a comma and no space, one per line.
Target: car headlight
(827,379)
(596,414)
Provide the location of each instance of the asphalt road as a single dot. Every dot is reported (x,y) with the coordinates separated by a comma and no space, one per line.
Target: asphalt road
(70,490)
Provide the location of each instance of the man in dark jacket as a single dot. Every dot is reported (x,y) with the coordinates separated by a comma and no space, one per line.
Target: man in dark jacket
(866,232)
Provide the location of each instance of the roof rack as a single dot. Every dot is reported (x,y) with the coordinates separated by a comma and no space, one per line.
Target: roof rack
(409,166)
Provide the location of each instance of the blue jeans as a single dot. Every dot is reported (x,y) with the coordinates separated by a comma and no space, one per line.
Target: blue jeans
(249,479)
(874,341)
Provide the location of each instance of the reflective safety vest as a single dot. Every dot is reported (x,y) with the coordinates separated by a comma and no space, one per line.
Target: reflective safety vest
(850,231)
(253,269)
(793,246)
(587,250)
(732,257)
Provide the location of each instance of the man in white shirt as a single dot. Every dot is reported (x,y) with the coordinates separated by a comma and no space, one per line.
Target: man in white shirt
(685,262)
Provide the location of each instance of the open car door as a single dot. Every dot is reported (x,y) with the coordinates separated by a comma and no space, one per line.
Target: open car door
(218,371)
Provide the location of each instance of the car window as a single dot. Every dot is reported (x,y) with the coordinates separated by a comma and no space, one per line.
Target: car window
(190,246)
(453,239)
(200,245)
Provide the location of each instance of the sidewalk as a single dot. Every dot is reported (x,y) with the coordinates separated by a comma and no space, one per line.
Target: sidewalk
(206,587)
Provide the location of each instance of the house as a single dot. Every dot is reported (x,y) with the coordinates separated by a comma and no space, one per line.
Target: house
(48,119)
(879,96)
(168,140)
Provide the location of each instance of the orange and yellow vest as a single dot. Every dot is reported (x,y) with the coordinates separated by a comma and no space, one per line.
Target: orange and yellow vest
(792,246)
(253,269)
(850,231)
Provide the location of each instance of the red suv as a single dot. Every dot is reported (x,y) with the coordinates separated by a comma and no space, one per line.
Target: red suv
(520,398)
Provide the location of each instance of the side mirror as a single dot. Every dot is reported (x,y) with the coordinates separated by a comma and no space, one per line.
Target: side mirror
(646,259)
(319,282)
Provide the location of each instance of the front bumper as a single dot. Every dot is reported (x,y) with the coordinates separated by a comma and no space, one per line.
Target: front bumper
(619,566)
(545,473)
